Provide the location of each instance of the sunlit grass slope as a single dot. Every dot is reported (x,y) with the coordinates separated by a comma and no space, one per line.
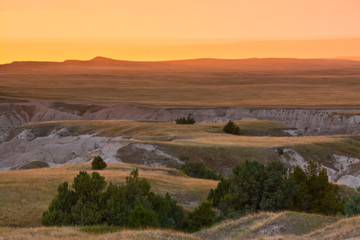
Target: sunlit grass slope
(267,224)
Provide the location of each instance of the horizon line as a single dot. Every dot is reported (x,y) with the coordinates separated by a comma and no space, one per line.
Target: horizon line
(348,58)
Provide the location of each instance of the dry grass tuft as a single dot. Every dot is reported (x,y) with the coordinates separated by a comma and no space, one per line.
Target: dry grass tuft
(73,233)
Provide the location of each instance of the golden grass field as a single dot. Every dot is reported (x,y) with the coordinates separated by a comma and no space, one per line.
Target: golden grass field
(252,83)
(25,194)
(249,141)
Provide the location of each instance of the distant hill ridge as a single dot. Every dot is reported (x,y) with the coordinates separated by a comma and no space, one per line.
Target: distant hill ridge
(276,63)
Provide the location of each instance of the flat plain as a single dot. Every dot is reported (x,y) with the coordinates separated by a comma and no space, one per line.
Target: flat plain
(287,83)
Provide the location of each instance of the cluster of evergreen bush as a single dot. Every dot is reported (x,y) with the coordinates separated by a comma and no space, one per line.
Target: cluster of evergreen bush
(253,186)
(198,170)
(130,205)
(98,163)
(231,128)
(316,194)
(183,120)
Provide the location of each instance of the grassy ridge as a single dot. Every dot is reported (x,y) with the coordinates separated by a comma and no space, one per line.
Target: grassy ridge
(197,134)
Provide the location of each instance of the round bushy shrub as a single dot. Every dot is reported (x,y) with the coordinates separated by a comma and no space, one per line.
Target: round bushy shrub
(231,128)
(98,163)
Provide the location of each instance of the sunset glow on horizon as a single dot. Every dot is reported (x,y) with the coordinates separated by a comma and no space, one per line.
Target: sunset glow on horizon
(177,29)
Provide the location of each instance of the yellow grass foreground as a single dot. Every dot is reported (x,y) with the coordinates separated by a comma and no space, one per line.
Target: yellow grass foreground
(73,233)
(264,225)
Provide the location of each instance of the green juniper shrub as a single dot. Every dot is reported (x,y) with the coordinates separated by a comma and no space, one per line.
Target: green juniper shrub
(246,186)
(167,212)
(86,213)
(217,194)
(231,128)
(202,216)
(352,208)
(115,209)
(98,163)
(316,194)
(59,212)
(278,190)
(183,120)
(198,170)
(142,218)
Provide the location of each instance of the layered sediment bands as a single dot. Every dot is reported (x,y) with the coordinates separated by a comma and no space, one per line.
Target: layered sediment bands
(313,122)
(307,121)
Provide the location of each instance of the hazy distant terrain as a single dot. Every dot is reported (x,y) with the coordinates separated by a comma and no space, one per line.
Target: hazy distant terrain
(250,82)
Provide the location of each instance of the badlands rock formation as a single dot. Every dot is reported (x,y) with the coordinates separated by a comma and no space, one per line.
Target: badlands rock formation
(60,147)
(306,121)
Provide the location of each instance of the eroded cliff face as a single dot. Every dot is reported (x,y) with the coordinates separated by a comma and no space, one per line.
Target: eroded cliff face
(313,122)
(307,121)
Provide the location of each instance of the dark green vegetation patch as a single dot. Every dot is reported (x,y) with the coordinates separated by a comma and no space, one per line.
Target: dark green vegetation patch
(198,170)
(132,205)
(231,128)
(253,187)
(183,120)
(98,163)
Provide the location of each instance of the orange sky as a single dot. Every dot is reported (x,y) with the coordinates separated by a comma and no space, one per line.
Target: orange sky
(173,29)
